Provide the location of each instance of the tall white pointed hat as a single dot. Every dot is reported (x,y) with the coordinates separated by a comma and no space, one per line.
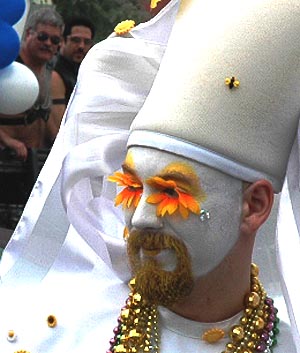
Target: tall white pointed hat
(228,95)
(228,90)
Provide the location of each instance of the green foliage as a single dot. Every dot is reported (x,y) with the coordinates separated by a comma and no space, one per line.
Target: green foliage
(105,14)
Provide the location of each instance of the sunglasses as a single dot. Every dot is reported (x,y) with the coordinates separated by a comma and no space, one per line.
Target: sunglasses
(78,40)
(42,37)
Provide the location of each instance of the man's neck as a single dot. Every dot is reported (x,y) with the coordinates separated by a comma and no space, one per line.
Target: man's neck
(220,294)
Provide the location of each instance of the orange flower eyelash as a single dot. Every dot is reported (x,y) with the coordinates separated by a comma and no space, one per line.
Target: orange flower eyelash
(131,194)
(172,198)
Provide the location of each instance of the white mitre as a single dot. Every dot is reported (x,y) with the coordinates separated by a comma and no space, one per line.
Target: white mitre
(230,98)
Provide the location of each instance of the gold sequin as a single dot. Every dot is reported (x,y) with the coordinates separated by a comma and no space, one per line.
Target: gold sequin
(51,321)
(11,336)
(213,335)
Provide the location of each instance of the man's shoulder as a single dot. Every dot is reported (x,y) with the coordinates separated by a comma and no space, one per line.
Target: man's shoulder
(57,83)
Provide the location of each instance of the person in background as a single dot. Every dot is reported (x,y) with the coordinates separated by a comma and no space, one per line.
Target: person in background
(77,40)
(29,129)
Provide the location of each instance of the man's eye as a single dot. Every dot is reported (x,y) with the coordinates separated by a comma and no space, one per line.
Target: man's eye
(171,192)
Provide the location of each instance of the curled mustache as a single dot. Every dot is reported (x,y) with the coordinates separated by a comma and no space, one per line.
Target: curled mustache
(46,48)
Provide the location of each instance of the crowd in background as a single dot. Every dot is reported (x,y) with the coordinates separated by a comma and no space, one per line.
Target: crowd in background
(53,48)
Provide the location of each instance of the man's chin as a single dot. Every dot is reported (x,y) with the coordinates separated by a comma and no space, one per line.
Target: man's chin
(161,287)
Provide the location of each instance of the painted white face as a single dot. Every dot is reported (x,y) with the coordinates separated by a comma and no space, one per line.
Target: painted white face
(208,242)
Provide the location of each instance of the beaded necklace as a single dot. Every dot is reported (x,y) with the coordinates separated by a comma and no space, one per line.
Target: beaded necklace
(137,329)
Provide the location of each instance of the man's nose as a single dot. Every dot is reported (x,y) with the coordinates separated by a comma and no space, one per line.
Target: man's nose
(81,44)
(48,41)
(145,216)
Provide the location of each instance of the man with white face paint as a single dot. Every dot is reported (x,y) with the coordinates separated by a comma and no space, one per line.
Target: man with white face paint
(199,181)
(194,183)
(206,243)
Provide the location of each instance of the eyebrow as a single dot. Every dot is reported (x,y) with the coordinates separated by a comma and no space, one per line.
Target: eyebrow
(127,169)
(180,172)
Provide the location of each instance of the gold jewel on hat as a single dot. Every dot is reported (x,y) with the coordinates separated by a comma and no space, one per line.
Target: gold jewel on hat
(232,82)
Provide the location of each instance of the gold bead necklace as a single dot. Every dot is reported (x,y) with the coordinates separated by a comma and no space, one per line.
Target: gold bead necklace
(137,330)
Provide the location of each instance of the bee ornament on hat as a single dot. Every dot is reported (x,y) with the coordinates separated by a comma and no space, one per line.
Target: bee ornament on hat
(214,135)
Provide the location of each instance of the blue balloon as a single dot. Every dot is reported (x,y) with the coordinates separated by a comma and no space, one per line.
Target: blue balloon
(9,44)
(12,10)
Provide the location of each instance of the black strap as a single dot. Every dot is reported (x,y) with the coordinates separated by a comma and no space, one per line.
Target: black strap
(27,119)
(57,101)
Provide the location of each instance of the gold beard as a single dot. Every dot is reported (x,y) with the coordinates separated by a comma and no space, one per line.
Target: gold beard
(156,285)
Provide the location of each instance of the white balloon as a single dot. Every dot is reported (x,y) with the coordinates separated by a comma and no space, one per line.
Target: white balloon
(19,89)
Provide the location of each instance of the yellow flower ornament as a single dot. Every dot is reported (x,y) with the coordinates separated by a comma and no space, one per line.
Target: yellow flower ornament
(124,27)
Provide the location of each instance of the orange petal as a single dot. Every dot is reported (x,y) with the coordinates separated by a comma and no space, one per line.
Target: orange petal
(168,205)
(189,202)
(172,206)
(161,183)
(122,197)
(119,199)
(160,211)
(130,199)
(183,211)
(156,198)
(137,198)
(117,178)
(183,198)
(194,207)
(123,179)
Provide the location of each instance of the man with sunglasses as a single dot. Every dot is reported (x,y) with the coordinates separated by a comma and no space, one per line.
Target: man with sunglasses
(41,42)
(77,40)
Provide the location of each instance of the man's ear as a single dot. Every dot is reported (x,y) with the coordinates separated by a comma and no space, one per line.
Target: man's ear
(258,200)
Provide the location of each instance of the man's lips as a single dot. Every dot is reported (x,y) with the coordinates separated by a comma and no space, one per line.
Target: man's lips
(151,252)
